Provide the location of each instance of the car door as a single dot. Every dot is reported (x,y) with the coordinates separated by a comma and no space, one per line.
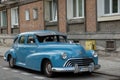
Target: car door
(30,46)
(20,49)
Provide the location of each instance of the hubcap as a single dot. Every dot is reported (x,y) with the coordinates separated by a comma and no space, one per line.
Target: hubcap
(11,62)
(48,68)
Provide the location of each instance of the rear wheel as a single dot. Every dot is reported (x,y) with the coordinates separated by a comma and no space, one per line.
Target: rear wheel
(11,62)
(48,69)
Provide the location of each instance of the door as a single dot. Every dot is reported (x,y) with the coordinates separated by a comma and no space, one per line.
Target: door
(20,49)
(30,47)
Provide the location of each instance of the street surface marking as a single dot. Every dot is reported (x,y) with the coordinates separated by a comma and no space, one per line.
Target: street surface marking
(38,77)
(27,74)
(14,71)
(5,68)
(23,73)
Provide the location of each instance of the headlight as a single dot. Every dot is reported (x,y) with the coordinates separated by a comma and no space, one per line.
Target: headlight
(94,54)
(64,55)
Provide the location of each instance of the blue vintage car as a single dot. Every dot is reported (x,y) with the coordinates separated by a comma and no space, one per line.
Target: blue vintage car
(50,52)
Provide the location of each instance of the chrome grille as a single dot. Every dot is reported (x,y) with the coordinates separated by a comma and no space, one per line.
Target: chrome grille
(80,62)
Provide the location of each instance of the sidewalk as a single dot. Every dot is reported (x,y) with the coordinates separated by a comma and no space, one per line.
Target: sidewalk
(110,65)
(3,49)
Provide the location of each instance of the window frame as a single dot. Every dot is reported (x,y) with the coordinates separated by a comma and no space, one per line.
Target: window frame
(19,41)
(14,18)
(70,7)
(109,43)
(111,8)
(35,13)
(78,10)
(27,14)
(32,37)
(53,10)
(2,17)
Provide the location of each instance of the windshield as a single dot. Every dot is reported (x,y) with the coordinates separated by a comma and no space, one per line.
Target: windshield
(52,38)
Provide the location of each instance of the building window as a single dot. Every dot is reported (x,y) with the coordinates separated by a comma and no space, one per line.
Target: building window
(27,15)
(110,45)
(51,10)
(111,6)
(14,17)
(35,13)
(75,8)
(3,20)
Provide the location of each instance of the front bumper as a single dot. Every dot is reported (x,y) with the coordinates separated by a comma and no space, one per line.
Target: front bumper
(77,69)
(5,58)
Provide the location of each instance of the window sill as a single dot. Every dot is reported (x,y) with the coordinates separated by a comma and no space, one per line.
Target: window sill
(109,17)
(110,49)
(15,26)
(35,19)
(75,20)
(51,23)
(3,27)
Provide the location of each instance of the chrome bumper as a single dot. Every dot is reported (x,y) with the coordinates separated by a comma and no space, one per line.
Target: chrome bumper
(5,58)
(77,69)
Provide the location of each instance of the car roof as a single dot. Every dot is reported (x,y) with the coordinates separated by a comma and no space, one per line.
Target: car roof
(43,33)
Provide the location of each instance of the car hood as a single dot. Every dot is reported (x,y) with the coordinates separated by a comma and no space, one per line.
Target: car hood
(72,50)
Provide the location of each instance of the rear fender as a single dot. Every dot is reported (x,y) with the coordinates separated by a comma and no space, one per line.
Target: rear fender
(11,53)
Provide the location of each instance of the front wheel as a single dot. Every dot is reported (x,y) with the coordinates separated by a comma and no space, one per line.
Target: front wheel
(11,62)
(48,69)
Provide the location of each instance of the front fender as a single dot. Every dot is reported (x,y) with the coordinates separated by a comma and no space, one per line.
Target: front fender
(34,61)
(10,52)
(89,53)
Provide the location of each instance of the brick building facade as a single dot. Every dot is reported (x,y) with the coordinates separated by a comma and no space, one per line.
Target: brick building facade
(82,20)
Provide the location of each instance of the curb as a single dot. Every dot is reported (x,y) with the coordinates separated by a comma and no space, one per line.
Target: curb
(106,74)
(1,55)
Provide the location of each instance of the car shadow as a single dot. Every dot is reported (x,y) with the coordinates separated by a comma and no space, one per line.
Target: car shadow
(57,75)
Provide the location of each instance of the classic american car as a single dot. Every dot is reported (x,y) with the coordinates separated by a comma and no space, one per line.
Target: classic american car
(50,52)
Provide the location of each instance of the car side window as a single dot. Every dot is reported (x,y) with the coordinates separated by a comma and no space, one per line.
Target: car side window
(22,40)
(62,39)
(30,40)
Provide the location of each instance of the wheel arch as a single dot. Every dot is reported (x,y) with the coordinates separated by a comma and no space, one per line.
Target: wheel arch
(10,54)
(42,63)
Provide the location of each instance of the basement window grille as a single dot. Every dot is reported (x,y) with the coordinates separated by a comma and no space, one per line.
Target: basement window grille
(110,45)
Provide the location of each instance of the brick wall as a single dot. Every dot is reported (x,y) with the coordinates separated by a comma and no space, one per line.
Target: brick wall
(109,26)
(91,16)
(32,24)
(9,20)
(76,28)
(62,15)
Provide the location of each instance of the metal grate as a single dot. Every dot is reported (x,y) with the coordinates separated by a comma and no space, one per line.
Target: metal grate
(80,62)
(110,45)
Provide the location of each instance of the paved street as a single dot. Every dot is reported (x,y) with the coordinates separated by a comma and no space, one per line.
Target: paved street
(19,73)
(109,66)
(110,70)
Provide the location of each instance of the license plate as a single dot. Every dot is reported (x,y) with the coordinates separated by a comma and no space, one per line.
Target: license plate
(83,69)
